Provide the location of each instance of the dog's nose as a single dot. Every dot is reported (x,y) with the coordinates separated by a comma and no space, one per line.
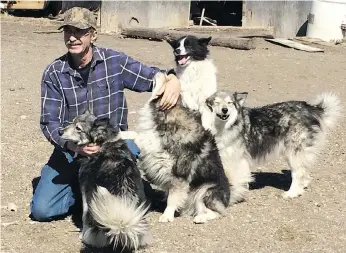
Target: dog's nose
(224,110)
(177,51)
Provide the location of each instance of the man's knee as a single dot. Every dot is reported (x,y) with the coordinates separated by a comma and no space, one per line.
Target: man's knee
(41,211)
(133,148)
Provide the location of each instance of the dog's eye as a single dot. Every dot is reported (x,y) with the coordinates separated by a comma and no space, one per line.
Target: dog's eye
(229,102)
(78,128)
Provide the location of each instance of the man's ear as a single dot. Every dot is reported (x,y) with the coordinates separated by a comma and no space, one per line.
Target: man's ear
(93,36)
(240,97)
(210,102)
(204,41)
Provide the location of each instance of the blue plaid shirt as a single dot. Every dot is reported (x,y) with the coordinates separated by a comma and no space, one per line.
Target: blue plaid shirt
(64,95)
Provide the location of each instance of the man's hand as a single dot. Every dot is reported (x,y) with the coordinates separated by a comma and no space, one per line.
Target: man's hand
(170,91)
(88,150)
(85,150)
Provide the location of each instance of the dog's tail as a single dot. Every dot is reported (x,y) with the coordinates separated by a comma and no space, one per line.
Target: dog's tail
(331,107)
(123,221)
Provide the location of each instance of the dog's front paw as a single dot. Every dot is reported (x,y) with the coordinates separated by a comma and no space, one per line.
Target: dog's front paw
(200,219)
(290,194)
(166,218)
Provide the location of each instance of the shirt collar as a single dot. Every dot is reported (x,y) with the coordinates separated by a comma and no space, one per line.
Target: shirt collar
(97,57)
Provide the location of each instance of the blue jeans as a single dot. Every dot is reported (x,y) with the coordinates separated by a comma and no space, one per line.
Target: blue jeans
(58,190)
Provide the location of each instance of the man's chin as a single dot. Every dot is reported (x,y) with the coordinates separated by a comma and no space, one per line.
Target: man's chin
(72,50)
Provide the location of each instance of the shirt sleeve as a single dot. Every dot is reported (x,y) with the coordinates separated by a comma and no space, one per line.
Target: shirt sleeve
(52,108)
(136,76)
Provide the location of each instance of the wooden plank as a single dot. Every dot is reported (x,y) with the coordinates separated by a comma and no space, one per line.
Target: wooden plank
(295,45)
(162,34)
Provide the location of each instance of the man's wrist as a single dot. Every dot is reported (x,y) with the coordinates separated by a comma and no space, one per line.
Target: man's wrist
(71,146)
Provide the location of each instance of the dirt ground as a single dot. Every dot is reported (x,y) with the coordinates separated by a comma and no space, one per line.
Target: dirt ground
(315,222)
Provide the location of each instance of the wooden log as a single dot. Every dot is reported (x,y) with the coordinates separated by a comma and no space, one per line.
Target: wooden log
(217,40)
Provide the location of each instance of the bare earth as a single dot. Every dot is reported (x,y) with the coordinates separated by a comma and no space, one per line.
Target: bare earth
(315,222)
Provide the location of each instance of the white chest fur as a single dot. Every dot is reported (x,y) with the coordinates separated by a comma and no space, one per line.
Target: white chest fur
(198,82)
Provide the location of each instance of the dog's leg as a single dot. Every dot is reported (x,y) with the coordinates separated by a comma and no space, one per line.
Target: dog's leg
(239,176)
(206,215)
(177,196)
(84,216)
(299,176)
(208,119)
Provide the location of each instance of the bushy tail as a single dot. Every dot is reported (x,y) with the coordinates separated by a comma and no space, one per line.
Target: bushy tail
(122,218)
(332,108)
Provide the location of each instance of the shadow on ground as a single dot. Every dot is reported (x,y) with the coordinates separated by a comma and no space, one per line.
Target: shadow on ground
(280,181)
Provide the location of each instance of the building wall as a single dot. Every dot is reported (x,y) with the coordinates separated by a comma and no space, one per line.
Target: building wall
(92,5)
(287,18)
(149,14)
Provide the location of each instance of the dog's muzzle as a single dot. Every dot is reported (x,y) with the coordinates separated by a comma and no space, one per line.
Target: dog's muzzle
(223,116)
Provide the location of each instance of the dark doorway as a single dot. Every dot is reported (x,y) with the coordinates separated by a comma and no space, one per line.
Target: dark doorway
(223,13)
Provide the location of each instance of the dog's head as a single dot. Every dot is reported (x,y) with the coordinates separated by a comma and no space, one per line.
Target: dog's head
(85,129)
(226,105)
(189,48)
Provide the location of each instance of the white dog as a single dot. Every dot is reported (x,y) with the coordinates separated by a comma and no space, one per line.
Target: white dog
(196,73)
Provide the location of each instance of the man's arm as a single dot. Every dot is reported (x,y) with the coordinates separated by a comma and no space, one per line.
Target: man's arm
(52,110)
(137,76)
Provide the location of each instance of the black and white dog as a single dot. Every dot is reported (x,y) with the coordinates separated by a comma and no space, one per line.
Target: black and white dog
(195,71)
(248,136)
(114,203)
(181,157)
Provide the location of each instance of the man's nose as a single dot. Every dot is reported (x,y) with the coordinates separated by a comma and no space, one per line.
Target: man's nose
(72,38)
(224,110)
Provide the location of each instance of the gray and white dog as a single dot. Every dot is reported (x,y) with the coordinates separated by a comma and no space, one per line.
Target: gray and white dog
(114,203)
(181,158)
(248,136)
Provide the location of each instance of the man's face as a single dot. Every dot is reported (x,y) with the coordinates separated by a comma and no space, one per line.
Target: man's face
(78,40)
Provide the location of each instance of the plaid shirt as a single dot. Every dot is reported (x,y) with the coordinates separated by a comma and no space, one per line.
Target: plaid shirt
(64,95)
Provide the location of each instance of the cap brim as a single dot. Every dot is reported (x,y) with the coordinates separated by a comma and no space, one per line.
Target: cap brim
(77,25)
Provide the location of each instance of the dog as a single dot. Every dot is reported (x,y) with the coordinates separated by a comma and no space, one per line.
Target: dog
(181,158)
(114,202)
(195,71)
(249,136)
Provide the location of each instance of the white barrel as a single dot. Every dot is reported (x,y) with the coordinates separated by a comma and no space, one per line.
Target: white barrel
(325,20)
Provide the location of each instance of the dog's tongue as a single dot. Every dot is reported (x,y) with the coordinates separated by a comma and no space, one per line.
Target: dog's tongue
(182,60)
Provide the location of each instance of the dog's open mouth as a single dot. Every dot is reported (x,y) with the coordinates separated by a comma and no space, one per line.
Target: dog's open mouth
(223,116)
(182,59)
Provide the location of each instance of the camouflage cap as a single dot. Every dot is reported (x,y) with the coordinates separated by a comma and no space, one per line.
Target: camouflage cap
(80,18)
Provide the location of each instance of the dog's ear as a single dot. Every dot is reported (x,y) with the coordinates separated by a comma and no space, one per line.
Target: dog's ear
(173,43)
(240,97)
(89,111)
(204,41)
(210,102)
(101,123)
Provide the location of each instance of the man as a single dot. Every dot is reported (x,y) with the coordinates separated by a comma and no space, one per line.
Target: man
(86,77)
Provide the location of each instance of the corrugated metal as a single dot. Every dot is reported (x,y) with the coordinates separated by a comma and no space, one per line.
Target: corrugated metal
(149,14)
(287,18)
